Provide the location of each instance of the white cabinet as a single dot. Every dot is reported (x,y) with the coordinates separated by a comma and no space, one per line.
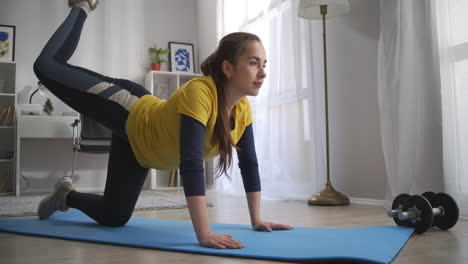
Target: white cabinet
(7,126)
(162,84)
(42,127)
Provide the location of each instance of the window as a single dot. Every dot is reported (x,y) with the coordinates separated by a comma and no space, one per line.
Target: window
(459,48)
(283,106)
(453,51)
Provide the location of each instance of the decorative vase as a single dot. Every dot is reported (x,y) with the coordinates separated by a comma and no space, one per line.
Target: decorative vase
(156,66)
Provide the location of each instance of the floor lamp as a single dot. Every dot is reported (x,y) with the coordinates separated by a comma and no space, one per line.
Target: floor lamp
(322,9)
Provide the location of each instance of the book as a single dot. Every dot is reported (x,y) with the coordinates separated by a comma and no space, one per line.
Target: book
(8,117)
(3,112)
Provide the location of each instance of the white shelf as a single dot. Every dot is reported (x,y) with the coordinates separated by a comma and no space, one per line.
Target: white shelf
(7,133)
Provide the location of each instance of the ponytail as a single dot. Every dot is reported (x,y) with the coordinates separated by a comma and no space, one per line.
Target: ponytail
(230,48)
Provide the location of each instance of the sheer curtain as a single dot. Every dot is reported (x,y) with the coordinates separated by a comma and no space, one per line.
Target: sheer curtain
(113,40)
(409,98)
(289,145)
(453,51)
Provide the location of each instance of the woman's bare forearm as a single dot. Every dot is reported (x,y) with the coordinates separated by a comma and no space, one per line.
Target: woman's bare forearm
(253,201)
(199,214)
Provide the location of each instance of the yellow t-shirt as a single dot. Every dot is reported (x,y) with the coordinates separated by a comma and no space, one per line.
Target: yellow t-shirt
(153,124)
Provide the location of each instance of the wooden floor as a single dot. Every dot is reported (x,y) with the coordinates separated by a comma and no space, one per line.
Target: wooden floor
(434,246)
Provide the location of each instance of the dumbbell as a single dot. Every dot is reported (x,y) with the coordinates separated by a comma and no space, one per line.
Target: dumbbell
(428,195)
(400,199)
(419,213)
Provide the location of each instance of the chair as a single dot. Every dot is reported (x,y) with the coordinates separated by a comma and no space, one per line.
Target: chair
(89,136)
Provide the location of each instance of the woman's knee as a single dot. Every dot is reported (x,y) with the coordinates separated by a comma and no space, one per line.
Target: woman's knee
(116,222)
(115,219)
(37,67)
(40,66)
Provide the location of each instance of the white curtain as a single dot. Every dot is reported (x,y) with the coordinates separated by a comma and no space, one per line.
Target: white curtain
(288,113)
(453,51)
(409,98)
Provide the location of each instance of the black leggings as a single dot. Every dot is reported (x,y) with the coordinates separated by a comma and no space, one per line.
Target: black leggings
(108,101)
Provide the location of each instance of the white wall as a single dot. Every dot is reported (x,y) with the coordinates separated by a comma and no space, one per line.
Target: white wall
(174,20)
(358,168)
(160,22)
(207,28)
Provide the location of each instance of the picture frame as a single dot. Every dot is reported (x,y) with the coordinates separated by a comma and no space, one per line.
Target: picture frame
(181,57)
(7,43)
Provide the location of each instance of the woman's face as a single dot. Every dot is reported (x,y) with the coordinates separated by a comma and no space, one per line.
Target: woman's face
(246,77)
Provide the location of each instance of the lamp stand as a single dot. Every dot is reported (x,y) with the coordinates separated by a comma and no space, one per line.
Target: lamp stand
(328,195)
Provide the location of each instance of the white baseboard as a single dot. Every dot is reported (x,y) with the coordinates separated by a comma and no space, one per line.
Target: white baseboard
(367,201)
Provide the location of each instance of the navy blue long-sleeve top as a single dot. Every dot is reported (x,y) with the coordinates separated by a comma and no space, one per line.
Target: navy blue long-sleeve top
(192,134)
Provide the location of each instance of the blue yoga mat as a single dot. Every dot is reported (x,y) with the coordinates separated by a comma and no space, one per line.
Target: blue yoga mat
(374,244)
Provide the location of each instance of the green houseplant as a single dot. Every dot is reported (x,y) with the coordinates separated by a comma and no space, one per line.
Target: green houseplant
(48,107)
(156,59)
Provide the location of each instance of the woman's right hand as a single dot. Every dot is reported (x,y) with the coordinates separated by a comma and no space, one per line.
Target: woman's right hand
(220,241)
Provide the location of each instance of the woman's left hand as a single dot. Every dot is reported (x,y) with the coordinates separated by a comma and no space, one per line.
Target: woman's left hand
(269,226)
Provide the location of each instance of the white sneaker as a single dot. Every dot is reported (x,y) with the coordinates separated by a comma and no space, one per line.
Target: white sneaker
(92,3)
(57,201)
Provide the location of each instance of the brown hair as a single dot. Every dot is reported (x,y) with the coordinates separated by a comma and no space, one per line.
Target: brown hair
(230,48)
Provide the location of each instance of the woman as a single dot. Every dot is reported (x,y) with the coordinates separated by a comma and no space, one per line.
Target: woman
(205,117)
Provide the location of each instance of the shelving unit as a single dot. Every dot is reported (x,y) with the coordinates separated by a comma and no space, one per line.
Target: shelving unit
(162,84)
(7,131)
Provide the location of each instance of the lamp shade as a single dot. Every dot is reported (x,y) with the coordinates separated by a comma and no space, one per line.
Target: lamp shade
(41,89)
(310,9)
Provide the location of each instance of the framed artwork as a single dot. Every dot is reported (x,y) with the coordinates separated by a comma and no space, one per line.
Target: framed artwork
(181,57)
(7,43)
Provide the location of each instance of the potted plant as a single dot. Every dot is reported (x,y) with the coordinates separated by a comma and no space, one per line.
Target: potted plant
(156,59)
(48,107)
